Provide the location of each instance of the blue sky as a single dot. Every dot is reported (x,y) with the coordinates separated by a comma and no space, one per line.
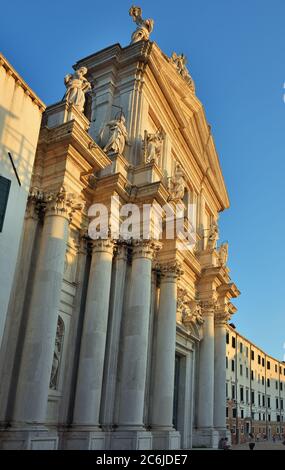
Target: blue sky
(236,55)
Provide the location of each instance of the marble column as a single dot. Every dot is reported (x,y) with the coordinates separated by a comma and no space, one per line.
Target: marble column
(38,351)
(220,374)
(92,351)
(164,435)
(135,350)
(113,338)
(205,416)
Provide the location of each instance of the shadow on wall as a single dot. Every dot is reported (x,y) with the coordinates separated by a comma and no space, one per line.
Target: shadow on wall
(22,151)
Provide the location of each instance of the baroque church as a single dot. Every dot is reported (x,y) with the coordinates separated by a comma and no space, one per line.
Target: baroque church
(112,343)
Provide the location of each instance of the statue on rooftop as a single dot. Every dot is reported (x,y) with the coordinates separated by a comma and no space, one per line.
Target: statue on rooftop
(144,27)
(76,87)
(180,61)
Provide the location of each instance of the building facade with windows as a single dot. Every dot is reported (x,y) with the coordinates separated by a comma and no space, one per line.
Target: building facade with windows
(20,119)
(116,343)
(255,390)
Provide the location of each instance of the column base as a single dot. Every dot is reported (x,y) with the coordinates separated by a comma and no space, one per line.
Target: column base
(31,438)
(123,439)
(165,439)
(205,437)
(83,439)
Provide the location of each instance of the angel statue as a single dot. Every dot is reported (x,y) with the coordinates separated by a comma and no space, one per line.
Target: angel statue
(152,146)
(144,27)
(118,135)
(76,87)
(180,61)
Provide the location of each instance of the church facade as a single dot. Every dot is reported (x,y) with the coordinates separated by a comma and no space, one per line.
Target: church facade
(116,342)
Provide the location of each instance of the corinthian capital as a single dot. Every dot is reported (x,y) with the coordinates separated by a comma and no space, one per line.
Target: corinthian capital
(35,204)
(172,270)
(105,245)
(222,317)
(145,248)
(208,307)
(62,203)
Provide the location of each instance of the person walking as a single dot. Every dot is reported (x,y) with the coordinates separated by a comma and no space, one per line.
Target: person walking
(251,442)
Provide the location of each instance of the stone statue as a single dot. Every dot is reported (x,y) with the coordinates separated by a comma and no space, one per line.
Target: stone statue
(118,135)
(213,235)
(144,27)
(57,354)
(76,87)
(177,184)
(152,146)
(193,313)
(223,253)
(179,61)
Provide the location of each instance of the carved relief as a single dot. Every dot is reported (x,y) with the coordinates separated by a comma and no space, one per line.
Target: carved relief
(54,377)
(193,314)
(144,27)
(76,87)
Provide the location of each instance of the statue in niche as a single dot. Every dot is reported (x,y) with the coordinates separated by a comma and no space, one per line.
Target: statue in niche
(152,146)
(180,61)
(57,354)
(177,184)
(144,27)
(118,135)
(213,235)
(223,253)
(76,87)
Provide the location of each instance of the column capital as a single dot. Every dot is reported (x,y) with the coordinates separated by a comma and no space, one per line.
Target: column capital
(62,203)
(208,307)
(222,317)
(170,271)
(35,204)
(105,245)
(145,248)
(121,250)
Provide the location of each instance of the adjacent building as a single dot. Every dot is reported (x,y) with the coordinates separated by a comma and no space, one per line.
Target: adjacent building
(20,119)
(255,390)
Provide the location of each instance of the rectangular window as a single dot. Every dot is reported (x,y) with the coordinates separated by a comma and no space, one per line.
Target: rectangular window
(275,367)
(262,380)
(246,351)
(263,400)
(227,412)
(234,412)
(268,382)
(4,194)
(269,417)
(252,397)
(268,402)
(259,359)
(252,375)
(277,403)
(227,390)
(227,362)
(281,403)
(241,394)
(268,365)
(263,363)
(241,414)
(252,355)
(228,338)
(240,347)
(233,342)
(233,365)
(276,385)
(233,392)
(247,396)
(281,386)
(246,372)
(259,399)
(240,369)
